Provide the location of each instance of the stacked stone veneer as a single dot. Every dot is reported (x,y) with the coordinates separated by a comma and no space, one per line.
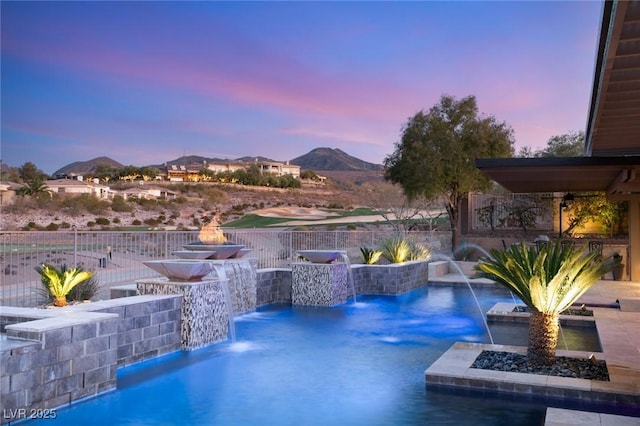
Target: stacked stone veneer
(319,284)
(52,357)
(205,313)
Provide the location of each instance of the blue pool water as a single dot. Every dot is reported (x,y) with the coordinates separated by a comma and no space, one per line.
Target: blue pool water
(356,364)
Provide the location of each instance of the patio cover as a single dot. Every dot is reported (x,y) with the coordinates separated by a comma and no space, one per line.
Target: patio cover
(612,138)
(613,175)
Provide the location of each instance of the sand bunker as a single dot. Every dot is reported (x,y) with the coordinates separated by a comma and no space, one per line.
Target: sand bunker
(294,213)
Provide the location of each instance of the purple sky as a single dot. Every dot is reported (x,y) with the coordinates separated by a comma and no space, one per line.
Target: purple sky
(148,82)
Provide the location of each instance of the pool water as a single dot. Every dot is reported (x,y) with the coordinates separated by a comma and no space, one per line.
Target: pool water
(355,364)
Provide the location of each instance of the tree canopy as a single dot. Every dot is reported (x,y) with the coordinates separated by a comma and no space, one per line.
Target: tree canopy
(435,157)
(29,172)
(568,145)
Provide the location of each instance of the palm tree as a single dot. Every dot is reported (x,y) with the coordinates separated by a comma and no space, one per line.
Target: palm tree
(34,188)
(61,282)
(548,280)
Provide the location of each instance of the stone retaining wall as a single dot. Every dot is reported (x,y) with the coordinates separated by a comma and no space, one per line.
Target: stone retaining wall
(390,279)
(51,357)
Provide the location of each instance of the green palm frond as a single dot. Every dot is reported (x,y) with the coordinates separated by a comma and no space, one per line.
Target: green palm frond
(61,282)
(549,279)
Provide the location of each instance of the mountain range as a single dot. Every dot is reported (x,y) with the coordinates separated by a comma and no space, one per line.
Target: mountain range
(319,159)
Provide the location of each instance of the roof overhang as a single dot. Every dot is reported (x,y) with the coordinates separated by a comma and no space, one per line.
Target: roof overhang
(613,175)
(613,126)
(612,137)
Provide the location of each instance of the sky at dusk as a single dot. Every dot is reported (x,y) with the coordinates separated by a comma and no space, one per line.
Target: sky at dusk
(148,82)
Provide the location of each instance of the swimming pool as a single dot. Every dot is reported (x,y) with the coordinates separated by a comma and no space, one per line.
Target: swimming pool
(355,364)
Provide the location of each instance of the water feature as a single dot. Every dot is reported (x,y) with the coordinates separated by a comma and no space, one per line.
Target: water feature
(466,246)
(305,365)
(345,258)
(466,280)
(224,283)
(482,250)
(319,280)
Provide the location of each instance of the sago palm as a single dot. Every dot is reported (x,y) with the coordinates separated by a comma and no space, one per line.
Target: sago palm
(61,282)
(548,280)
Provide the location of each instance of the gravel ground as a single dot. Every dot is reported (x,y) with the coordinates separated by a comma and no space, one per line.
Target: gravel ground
(582,312)
(564,367)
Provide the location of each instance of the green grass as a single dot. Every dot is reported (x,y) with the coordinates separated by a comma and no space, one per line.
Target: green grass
(255,221)
(361,211)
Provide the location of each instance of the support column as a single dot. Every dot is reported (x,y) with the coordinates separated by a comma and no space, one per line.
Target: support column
(205,313)
(634,239)
(318,284)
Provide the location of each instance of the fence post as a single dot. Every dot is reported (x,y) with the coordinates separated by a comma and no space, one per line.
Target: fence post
(75,246)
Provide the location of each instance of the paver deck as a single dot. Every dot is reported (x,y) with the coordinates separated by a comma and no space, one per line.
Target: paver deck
(619,333)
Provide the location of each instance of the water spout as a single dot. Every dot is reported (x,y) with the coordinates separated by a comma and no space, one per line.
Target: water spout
(345,258)
(224,283)
(466,280)
(466,246)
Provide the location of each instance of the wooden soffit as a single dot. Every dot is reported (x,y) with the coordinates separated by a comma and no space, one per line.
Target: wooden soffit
(613,175)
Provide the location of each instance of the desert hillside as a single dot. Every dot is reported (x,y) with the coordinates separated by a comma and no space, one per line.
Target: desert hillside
(197,205)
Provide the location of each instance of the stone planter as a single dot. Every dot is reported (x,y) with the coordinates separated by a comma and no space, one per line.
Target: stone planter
(394,278)
(205,313)
(319,284)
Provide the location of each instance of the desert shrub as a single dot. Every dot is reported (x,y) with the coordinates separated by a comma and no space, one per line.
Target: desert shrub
(102,221)
(419,252)
(116,220)
(91,224)
(213,195)
(65,225)
(20,205)
(52,227)
(396,249)
(151,222)
(370,256)
(148,204)
(119,204)
(85,202)
(136,222)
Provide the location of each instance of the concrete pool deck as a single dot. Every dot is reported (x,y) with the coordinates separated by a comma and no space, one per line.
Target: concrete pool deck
(619,332)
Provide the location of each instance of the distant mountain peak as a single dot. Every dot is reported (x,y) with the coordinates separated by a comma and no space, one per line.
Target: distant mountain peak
(333,159)
(330,159)
(89,166)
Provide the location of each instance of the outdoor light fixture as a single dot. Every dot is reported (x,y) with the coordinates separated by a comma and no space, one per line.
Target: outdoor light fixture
(563,205)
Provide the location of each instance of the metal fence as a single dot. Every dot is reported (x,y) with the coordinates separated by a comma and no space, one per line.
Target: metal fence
(116,257)
(504,211)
